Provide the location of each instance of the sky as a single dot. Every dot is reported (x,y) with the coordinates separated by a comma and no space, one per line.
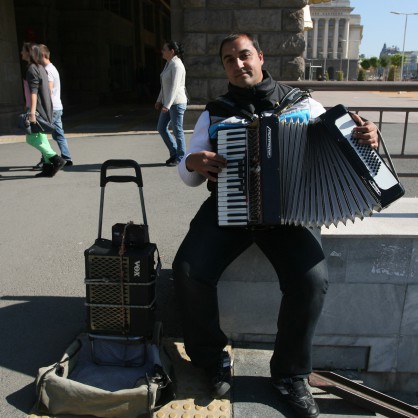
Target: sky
(380,26)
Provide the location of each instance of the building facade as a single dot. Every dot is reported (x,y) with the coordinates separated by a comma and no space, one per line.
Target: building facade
(334,42)
(109,50)
(410,70)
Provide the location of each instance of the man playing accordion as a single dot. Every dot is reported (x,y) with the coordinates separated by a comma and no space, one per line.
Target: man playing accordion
(294,251)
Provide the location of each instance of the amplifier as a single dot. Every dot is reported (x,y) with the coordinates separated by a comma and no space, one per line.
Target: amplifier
(120,290)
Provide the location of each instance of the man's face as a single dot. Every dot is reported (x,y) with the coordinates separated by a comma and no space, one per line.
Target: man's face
(242,63)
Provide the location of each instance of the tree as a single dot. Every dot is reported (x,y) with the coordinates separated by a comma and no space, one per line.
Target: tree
(365,64)
(374,63)
(391,75)
(396,61)
(361,75)
(384,62)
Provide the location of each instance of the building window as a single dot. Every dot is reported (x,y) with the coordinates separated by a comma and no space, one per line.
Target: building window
(122,8)
(148,18)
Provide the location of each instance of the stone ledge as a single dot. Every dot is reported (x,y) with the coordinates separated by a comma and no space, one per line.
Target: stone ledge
(399,219)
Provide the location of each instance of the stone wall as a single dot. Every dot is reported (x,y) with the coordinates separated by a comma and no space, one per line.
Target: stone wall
(11,92)
(370,318)
(204,23)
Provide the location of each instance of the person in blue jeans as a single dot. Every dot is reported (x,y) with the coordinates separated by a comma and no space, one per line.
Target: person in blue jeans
(55,88)
(172,101)
(38,103)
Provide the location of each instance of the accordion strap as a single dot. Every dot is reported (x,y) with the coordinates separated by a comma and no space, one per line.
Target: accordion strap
(294,96)
(231,105)
(385,150)
(290,99)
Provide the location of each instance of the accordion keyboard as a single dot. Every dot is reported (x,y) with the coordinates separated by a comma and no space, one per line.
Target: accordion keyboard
(232,188)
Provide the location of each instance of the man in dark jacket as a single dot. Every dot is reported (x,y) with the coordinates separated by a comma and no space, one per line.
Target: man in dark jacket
(294,251)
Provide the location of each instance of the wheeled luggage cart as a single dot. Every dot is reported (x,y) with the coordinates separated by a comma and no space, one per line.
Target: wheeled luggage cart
(121,273)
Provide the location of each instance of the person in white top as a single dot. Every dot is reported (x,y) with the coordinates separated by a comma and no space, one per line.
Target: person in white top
(172,101)
(55,88)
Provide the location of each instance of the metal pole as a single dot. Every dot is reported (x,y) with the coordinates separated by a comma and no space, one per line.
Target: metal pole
(403,47)
(404,37)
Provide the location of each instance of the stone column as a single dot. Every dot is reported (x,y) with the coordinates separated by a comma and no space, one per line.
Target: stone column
(346,37)
(336,35)
(305,37)
(325,39)
(315,38)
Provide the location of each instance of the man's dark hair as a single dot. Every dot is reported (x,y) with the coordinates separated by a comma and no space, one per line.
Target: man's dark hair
(231,37)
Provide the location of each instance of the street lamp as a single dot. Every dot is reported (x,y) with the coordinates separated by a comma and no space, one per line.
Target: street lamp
(404,36)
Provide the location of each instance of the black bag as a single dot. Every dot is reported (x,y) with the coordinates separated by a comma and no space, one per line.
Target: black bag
(40,126)
(130,234)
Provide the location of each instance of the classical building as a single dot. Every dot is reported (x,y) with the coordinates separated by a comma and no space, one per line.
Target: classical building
(334,42)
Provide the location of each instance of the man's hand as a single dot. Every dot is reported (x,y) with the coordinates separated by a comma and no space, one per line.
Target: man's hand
(366,132)
(206,163)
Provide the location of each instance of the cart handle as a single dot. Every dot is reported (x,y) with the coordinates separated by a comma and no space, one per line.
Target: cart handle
(104,179)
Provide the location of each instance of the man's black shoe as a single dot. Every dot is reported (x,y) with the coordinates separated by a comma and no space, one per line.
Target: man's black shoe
(171,160)
(220,376)
(295,392)
(68,163)
(47,171)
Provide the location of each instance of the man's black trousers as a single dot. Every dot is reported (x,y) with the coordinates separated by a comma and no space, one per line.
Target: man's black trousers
(296,255)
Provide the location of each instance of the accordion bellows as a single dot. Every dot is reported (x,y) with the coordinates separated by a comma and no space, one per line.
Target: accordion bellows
(310,174)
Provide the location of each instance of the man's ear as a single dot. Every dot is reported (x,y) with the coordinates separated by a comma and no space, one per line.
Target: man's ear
(261,56)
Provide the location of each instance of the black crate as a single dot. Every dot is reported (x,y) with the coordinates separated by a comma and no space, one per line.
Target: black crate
(120,320)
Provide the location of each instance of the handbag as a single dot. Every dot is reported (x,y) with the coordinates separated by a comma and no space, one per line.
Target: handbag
(40,126)
(23,123)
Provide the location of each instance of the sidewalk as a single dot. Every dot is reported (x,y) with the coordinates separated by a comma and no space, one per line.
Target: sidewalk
(132,118)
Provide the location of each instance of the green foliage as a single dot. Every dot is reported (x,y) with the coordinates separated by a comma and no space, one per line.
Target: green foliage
(384,61)
(391,76)
(361,75)
(365,64)
(374,62)
(339,75)
(396,60)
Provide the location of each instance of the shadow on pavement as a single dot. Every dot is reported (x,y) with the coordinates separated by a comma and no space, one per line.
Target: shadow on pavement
(35,330)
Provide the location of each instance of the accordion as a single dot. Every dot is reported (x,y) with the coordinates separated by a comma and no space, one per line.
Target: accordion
(296,173)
